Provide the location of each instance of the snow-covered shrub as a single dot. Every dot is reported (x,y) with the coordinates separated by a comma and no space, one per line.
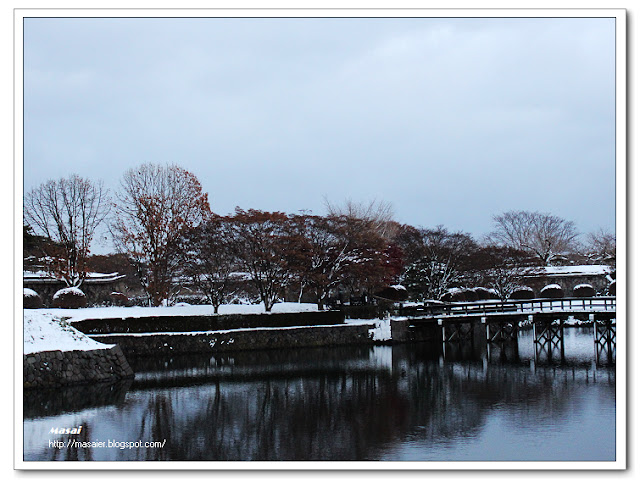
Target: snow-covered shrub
(393,293)
(31,299)
(552,291)
(484,293)
(584,291)
(119,299)
(612,289)
(458,294)
(470,295)
(523,292)
(448,296)
(69,298)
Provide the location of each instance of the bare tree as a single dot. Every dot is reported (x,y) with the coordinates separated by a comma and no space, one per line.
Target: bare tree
(541,234)
(67,213)
(378,213)
(601,245)
(156,205)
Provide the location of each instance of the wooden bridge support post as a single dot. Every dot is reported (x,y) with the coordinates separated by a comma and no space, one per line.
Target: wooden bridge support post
(501,333)
(604,337)
(562,322)
(550,338)
(535,340)
(444,337)
(592,318)
(611,336)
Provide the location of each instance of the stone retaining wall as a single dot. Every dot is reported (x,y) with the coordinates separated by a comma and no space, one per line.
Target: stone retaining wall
(567,283)
(56,368)
(152,324)
(309,336)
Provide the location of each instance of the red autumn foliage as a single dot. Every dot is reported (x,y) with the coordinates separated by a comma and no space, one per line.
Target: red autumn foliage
(157,206)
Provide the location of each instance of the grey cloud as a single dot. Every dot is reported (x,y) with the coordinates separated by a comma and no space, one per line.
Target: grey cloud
(452,120)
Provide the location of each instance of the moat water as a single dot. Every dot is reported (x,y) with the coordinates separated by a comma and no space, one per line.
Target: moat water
(415,402)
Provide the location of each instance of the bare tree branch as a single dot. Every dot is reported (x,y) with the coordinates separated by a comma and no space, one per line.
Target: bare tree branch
(67,212)
(545,236)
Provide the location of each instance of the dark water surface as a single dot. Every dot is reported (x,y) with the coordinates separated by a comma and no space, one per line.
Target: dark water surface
(401,402)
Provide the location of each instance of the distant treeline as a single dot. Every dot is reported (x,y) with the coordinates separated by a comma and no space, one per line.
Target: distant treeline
(166,235)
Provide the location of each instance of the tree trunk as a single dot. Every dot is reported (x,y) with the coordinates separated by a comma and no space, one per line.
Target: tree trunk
(268,304)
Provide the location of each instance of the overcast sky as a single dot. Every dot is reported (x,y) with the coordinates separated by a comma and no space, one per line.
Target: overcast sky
(450,120)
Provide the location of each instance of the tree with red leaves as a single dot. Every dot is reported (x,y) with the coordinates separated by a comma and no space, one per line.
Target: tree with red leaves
(263,245)
(340,251)
(324,255)
(157,205)
(209,258)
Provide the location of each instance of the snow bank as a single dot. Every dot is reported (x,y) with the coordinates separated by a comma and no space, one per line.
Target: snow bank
(43,331)
(81,314)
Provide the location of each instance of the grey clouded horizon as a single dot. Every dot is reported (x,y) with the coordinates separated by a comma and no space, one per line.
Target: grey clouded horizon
(450,120)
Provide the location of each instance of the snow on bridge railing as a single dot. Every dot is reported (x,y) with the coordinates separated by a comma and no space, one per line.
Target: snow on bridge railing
(521,306)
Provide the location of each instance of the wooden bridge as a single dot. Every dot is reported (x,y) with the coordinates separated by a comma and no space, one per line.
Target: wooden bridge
(459,322)
(522,307)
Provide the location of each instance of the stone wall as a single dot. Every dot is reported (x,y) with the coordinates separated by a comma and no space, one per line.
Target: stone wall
(154,324)
(56,368)
(567,283)
(171,343)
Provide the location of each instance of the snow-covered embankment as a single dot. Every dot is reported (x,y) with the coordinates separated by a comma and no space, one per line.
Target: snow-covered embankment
(57,354)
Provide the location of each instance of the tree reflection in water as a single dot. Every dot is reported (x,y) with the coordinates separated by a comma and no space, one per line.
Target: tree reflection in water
(320,405)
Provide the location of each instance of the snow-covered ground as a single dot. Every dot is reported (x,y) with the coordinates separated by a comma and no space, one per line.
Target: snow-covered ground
(72,315)
(47,329)
(44,331)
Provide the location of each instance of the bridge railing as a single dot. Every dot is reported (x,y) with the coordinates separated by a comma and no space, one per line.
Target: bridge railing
(569,304)
(520,306)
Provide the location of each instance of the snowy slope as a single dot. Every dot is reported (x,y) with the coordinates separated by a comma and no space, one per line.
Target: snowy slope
(43,331)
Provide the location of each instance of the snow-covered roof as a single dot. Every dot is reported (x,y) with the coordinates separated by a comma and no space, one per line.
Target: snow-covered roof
(570,270)
(92,277)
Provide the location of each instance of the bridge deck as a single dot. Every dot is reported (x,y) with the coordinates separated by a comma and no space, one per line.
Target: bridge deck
(581,308)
